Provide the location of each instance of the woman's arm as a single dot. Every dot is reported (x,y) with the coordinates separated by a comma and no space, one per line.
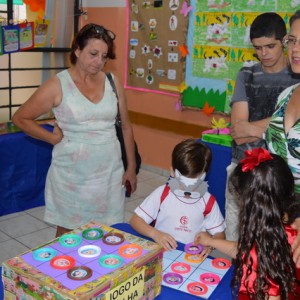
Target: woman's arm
(42,101)
(128,137)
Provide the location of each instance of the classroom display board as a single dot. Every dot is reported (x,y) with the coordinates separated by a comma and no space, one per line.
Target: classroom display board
(23,36)
(219,45)
(189,273)
(93,262)
(156,47)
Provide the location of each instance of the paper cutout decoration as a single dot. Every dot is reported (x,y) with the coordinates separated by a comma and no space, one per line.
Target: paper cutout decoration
(182,87)
(183,50)
(185,9)
(10,38)
(41,32)
(37,6)
(208,110)
(26,35)
(219,124)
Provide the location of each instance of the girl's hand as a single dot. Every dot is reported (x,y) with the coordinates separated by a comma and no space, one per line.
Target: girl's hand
(296,243)
(206,251)
(203,238)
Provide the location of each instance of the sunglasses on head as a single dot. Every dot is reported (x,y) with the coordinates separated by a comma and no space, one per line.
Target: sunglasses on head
(99,30)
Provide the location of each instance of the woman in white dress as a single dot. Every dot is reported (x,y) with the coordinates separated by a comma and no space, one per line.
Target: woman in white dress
(86,178)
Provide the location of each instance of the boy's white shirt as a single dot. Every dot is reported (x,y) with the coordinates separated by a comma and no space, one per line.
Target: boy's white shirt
(180,217)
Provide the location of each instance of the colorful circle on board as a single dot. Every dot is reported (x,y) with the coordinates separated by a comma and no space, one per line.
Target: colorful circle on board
(221,263)
(172,278)
(209,278)
(44,254)
(110,261)
(191,248)
(193,258)
(89,251)
(197,288)
(130,250)
(113,238)
(181,268)
(92,234)
(62,262)
(70,240)
(80,273)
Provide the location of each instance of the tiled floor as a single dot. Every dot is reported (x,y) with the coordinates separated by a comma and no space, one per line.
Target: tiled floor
(22,231)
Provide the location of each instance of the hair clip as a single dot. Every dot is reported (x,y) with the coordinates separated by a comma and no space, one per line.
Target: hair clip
(254,158)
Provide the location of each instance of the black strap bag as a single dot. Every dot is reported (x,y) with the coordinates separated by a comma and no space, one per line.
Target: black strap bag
(119,131)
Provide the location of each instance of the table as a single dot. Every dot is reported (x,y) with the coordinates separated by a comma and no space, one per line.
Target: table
(222,292)
(23,168)
(217,175)
(25,161)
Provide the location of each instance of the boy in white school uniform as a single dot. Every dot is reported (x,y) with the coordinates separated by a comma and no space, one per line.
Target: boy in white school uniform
(183,207)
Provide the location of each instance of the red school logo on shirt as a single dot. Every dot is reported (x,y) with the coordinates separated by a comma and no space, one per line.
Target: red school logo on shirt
(184,220)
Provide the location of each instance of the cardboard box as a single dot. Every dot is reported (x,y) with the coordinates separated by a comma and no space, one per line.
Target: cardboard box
(51,271)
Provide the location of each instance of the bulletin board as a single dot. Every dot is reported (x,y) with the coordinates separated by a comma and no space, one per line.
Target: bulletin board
(156,47)
(219,45)
(193,49)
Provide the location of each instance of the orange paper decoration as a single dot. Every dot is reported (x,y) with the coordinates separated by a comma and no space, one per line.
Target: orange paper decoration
(36,6)
(183,50)
(208,110)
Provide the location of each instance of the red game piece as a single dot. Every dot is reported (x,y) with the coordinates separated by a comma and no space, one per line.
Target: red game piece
(62,262)
(209,278)
(197,288)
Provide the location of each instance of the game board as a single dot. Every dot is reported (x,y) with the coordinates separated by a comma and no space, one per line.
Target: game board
(187,272)
(89,261)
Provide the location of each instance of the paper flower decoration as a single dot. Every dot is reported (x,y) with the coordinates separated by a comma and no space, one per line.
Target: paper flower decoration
(218,127)
(183,50)
(185,9)
(254,158)
(145,49)
(219,124)
(208,110)
(157,51)
(182,87)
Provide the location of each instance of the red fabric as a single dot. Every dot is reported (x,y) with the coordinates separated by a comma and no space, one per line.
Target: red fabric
(210,203)
(274,290)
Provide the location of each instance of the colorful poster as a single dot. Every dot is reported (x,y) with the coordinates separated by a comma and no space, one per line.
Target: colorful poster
(10,38)
(26,35)
(41,30)
(219,43)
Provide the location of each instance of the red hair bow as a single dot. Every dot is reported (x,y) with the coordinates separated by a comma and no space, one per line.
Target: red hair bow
(254,158)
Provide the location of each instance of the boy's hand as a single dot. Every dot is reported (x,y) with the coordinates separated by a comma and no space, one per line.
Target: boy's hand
(165,240)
